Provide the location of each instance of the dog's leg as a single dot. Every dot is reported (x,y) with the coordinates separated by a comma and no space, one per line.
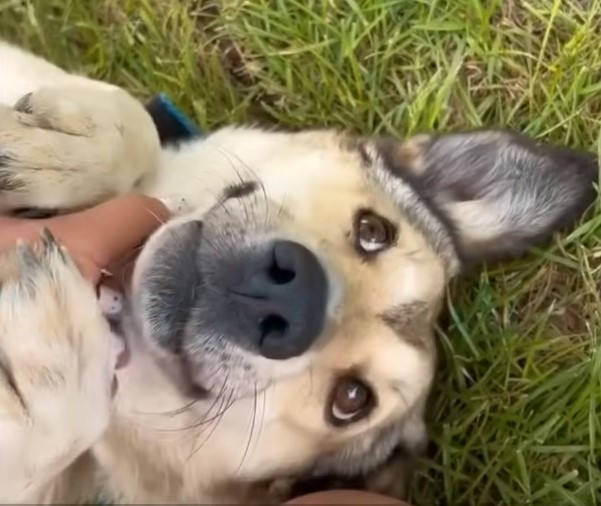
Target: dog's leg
(57,360)
(70,147)
(67,141)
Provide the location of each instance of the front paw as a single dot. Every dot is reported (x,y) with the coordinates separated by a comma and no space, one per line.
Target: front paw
(57,364)
(73,146)
(50,109)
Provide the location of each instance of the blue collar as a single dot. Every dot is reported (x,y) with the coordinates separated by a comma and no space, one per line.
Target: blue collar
(172,124)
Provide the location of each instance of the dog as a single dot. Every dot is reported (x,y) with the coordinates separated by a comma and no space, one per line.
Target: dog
(280,327)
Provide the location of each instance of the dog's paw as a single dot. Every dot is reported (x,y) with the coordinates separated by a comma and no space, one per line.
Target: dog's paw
(57,362)
(50,109)
(72,146)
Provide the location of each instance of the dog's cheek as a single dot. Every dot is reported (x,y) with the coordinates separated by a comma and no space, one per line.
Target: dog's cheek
(169,287)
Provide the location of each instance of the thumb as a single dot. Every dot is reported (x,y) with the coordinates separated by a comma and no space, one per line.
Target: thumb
(107,232)
(96,237)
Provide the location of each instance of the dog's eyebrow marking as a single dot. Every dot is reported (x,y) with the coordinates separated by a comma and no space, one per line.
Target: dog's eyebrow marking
(410,323)
(239,191)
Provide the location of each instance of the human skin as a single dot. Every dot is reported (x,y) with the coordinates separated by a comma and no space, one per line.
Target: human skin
(344,497)
(101,240)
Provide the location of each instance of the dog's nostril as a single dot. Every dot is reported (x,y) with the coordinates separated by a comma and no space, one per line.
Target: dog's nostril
(281,297)
(273,326)
(280,276)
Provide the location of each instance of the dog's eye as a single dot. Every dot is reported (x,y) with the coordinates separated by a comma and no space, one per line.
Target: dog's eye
(373,233)
(350,400)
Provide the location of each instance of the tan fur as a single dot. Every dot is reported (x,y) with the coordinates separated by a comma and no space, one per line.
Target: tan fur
(71,142)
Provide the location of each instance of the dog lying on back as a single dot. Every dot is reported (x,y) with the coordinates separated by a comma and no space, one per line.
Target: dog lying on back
(279,327)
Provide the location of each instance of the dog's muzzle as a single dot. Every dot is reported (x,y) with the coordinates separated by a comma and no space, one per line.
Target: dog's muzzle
(285,293)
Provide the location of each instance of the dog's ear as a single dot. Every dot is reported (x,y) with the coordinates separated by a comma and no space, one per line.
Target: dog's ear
(500,191)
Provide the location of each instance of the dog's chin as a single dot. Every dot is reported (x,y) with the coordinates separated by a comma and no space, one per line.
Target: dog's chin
(212,366)
(202,370)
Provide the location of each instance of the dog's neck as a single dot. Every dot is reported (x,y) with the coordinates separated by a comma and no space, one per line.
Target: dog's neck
(188,448)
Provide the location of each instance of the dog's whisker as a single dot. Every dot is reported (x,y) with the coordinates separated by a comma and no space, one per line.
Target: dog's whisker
(252,428)
(262,421)
(229,155)
(173,412)
(206,417)
(229,403)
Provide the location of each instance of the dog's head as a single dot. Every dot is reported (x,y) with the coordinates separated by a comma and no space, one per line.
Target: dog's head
(308,290)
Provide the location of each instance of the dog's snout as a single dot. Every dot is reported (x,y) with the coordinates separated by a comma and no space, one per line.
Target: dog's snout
(286,297)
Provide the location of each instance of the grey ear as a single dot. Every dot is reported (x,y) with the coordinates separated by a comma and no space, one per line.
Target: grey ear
(500,191)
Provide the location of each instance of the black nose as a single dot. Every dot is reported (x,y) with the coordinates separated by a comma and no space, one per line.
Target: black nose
(286,297)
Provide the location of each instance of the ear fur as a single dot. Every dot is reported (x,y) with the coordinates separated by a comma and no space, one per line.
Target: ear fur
(501,192)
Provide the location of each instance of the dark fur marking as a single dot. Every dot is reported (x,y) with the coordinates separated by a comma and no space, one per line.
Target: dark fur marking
(239,191)
(5,160)
(312,485)
(410,323)
(52,246)
(366,159)
(24,104)
(8,181)
(449,176)
(34,213)
(388,150)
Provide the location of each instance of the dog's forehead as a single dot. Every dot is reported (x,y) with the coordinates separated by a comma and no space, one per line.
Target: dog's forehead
(330,171)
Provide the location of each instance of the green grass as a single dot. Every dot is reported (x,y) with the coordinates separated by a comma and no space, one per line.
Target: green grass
(516,409)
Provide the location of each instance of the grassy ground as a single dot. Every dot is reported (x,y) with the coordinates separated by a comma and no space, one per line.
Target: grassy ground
(516,405)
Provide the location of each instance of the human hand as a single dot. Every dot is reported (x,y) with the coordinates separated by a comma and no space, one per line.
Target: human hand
(101,240)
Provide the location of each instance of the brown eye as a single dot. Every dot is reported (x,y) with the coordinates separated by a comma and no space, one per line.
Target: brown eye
(350,400)
(373,233)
